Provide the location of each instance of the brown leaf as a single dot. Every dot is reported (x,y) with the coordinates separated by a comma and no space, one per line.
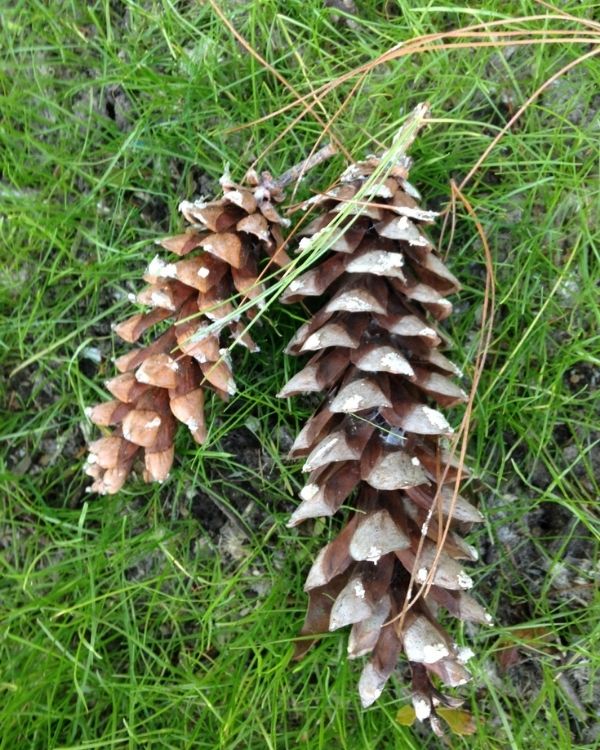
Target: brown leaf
(429,297)
(351,604)
(108,413)
(351,329)
(246,282)
(169,295)
(344,444)
(376,535)
(347,241)
(270,213)
(189,409)
(445,500)
(460,604)
(111,452)
(362,296)
(364,635)
(314,430)
(440,388)
(404,205)
(241,197)
(390,469)
(255,224)
(333,559)
(409,325)
(450,672)
(448,573)
(202,272)
(320,602)
(377,262)
(321,372)
(219,374)
(359,209)
(135,357)
(331,334)
(377,671)
(537,638)
(358,395)
(401,228)
(326,490)
(417,418)
(125,387)
(381,357)
(214,303)
(431,270)
(422,641)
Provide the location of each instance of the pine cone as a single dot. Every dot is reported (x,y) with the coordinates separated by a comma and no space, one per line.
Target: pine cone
(377,443)
(164,382)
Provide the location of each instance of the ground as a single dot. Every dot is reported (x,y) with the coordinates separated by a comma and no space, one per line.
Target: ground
(163,617)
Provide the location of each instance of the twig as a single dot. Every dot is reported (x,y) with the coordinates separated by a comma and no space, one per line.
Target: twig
(297,172)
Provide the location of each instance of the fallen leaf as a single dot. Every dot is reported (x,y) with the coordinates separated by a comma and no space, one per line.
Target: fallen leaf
(539,638)
(406,716)
(459,721)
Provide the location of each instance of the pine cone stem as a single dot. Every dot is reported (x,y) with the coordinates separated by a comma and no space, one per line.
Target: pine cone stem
(298,171)
(409,130)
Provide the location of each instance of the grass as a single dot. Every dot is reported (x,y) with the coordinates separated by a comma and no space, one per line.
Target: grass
(163,617)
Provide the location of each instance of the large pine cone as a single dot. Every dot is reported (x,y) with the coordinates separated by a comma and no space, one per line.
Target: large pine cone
(377,442)
(164,381)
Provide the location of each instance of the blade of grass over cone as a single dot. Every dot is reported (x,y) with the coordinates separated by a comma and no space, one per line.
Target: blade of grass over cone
(343,220)
(327,236)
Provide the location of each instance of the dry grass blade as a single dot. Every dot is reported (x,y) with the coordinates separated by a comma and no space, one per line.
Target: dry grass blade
(429,43)
(523,108)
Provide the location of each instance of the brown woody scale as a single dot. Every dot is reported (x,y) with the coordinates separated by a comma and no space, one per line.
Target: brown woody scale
(163,383)
(379,438)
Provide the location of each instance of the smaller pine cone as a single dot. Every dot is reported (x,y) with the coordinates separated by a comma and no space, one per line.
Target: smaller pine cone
(164,382)
(376,444)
